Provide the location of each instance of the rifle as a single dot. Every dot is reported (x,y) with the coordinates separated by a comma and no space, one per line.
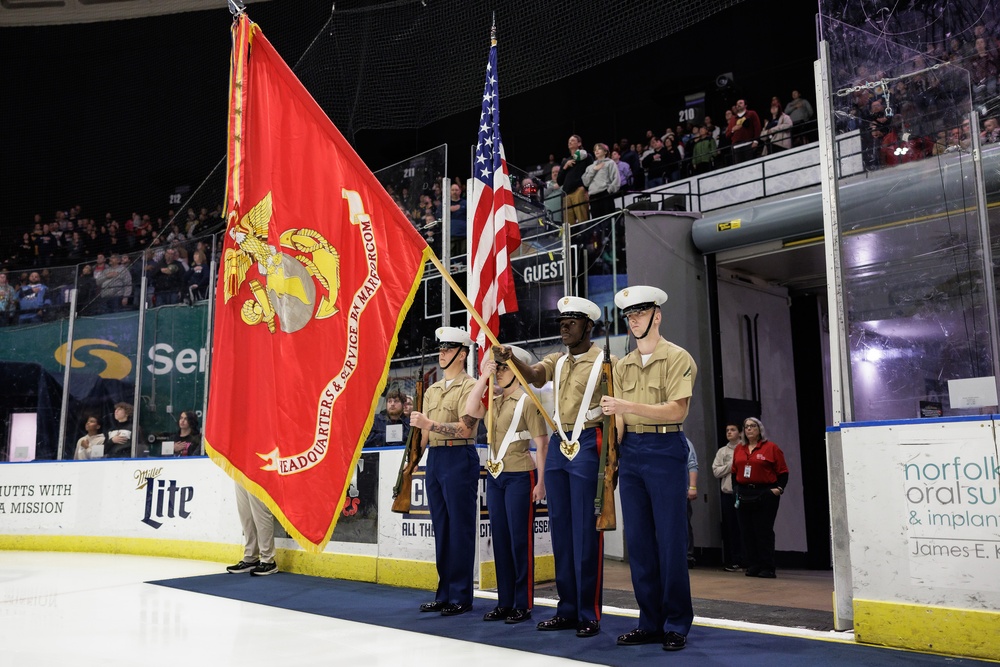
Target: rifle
(402,490)
(607,472)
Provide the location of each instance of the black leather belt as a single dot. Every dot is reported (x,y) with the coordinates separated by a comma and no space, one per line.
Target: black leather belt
(654,428)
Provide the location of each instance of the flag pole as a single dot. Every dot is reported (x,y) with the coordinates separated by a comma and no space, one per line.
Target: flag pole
(489,334)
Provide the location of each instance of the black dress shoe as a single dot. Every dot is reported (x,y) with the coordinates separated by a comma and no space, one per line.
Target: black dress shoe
(518,616)
(674,641)
(557,623)
(497,614)
(588,628)
(455,609)
(752,571)
(437,605)
(637,637)
(766,574)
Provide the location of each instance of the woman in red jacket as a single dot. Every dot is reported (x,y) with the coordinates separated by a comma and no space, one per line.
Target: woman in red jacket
(760,477)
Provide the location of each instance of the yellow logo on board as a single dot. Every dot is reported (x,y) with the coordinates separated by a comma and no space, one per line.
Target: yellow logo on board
(116,365)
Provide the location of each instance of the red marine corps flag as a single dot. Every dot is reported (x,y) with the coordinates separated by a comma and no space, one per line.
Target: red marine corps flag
(309,301)
(495,234)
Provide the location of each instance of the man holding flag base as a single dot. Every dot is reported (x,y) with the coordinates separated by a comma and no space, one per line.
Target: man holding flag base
(452,476)
(571,466)
(513,486)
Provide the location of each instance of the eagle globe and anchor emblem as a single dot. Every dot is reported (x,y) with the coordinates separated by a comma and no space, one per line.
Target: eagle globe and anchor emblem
(288,291)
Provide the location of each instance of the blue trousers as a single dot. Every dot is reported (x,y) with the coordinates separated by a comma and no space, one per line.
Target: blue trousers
(512,518)
(652,474)
(452,481)
(577,545)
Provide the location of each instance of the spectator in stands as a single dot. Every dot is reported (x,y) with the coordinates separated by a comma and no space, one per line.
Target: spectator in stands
(553,196)
(175,233)
(168,279)
(546,168)
(191,224)
(46,246)
(631,157)
(776,134)
(87,291)
(801,112)
(624,171)
(182,255)
(674,158)
(187,442)
(991,131)
(8,299)
(744,132)
(575,205)
(703,151)
(115,283)
(725,143)
(655,164)
(982,68)
(141,239)
(118,432)
(602,182)
(115,242)
(391,426)
(713,130)
(872,137)
(75,249)
(459,220)
(205,249)
(100,264)
(871,146)
(26,251)
(90,446)
(196,279)
(32,299)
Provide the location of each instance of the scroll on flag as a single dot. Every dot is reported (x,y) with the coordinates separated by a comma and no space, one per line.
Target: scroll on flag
(495,234)
(308,302)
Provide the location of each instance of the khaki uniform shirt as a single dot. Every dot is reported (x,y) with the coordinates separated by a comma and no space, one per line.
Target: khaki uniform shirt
(667,376)
(517,458)
(572,385)
(447,405)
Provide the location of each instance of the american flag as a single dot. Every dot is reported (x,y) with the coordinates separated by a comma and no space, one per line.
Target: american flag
(495,234)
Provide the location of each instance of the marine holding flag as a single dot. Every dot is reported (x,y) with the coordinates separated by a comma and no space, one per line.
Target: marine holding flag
(495,234)
(309,303)
(452,474)
(571,465)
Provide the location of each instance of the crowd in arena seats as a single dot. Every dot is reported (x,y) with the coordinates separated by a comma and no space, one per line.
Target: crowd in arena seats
(104,260)
(922,109)
(918,112)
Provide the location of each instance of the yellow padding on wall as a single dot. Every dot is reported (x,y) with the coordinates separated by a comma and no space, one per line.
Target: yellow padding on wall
(545,570)
(946,630)
(407,573)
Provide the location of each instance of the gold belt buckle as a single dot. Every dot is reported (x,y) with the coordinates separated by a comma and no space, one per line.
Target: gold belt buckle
(494,467)
(569,449)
